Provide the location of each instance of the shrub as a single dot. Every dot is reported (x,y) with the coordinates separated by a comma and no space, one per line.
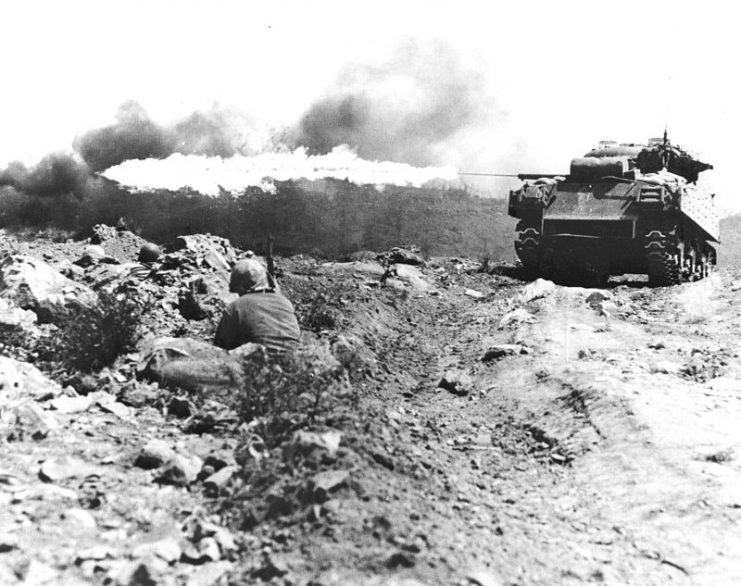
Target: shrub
(279,395)
(91,338)
(320,315)
(16,343)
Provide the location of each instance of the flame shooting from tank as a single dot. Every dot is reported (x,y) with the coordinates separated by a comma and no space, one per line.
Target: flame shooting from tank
(214,175)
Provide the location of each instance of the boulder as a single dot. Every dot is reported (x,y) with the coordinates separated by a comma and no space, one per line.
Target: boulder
(312,445)
(473,294)
(361,267)
(518,316)
(405,256)
(32,284)
(410,276)
(154,454)
(457,382)
(535,290)
(180,470)
(213,251)
(326,482)
(665,367)
(20,380)
(500,350)
(13,317)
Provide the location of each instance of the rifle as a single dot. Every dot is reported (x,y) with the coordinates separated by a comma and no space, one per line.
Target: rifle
(271,264)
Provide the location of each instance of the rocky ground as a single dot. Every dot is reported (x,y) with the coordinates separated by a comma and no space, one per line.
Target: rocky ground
(488,431)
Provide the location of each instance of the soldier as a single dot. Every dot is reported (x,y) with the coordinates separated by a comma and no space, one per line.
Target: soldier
(261,314)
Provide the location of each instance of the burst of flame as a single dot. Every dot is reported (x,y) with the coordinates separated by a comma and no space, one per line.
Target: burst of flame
(211,175)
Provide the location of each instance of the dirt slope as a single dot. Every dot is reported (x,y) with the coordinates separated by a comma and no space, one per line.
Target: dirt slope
(598,445)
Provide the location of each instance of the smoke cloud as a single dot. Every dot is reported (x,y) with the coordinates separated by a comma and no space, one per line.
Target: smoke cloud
(136,136)
(56,174)
(133,136)
(419,108)
(407,109)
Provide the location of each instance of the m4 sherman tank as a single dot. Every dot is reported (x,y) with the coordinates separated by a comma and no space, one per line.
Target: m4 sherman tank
(622,209)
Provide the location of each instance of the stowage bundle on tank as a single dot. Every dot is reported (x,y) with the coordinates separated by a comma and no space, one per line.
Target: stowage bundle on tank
(622,209)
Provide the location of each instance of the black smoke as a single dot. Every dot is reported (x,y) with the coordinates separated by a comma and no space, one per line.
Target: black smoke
(407,109)
(135,136)
(56,174)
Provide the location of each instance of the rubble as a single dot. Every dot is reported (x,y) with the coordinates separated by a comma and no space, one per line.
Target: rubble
(138,480)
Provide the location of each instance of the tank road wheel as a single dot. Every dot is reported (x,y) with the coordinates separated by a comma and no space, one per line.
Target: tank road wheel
(663,257)
(527,245)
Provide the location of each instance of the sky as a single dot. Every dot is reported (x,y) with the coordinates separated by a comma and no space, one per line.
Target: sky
(501,87)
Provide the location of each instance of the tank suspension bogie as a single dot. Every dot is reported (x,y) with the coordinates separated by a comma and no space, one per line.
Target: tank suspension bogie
(672,257)
(664,257)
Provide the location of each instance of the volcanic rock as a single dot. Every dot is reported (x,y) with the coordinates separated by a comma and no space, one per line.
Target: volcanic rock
(13,317)
(154,454)
(219,479)
(325,482)
(65,404)
(501,350)
(167,548)
(535,290)
(80,518)
(405,256)
(64,467)
(457,382)
(519,315)
(408,276)
(180,470)
(482,578)
(312,445)
(361,267)
(19,380)
(32,284)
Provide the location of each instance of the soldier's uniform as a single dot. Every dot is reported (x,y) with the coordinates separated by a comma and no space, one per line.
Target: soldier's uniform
(261,315)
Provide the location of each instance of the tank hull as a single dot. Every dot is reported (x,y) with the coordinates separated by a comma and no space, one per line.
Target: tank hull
(585,231)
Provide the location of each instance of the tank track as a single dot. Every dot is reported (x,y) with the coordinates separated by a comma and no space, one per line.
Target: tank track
(527,245)
(663,257)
